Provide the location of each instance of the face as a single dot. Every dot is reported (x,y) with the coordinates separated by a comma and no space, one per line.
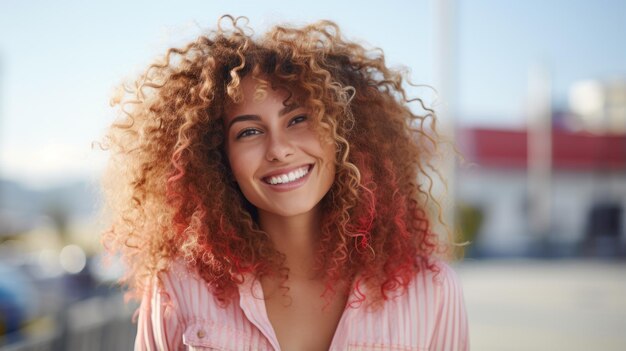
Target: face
(278,161)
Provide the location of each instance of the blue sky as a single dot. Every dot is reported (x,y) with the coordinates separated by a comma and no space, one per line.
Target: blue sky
(60,60)
(500,41)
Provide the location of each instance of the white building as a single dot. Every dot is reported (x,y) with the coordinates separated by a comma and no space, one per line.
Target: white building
(587,192)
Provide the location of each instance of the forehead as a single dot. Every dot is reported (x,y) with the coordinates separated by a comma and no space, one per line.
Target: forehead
(258,94)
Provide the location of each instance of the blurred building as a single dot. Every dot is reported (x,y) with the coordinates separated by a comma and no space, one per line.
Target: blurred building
(599,106)
(587,192)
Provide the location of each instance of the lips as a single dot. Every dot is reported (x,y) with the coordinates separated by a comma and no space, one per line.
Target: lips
(286,176)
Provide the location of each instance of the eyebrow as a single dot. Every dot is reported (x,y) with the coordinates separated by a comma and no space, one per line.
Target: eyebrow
(285,110)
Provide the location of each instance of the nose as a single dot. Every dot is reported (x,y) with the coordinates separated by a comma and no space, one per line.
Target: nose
(279,148)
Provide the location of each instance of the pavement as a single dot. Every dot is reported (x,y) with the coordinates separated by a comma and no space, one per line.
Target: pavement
(545,304)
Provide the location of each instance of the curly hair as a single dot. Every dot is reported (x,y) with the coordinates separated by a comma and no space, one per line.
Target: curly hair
(170,191)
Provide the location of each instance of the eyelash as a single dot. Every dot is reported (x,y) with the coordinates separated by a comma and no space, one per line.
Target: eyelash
(244,133)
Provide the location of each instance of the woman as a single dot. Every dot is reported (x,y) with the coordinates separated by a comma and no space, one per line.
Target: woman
(271,193)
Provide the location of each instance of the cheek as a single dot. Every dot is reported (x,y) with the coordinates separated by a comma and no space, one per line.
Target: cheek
(329,152)
(325,154)
(330,164)
(242,162)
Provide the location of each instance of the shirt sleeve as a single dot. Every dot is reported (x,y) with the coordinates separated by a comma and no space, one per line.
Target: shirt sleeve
(159,324)
(451,332)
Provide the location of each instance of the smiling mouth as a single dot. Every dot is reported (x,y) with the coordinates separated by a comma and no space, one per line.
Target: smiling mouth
(289,177)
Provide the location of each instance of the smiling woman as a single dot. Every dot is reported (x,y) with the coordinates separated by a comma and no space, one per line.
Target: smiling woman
(277,159)
(268,193)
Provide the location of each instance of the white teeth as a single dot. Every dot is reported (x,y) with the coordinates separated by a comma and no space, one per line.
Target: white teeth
(290,177)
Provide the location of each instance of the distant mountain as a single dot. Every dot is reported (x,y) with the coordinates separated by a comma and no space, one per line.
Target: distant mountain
(21,206)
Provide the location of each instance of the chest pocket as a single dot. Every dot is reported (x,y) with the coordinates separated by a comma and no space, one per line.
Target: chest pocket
(210,336)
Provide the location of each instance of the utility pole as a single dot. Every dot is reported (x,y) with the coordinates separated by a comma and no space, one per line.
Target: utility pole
(446,58)
(540,153)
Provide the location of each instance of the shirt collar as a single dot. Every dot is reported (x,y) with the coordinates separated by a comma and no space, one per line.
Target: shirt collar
(251,301)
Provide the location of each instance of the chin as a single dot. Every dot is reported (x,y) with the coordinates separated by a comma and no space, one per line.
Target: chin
(290,211)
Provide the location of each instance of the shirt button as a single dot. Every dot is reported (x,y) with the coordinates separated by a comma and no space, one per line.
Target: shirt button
(201,334)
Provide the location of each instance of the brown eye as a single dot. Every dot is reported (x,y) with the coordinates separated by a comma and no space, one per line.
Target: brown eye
(298,119)
(247,132)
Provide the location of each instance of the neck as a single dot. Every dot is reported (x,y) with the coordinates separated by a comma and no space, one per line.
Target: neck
(296,237)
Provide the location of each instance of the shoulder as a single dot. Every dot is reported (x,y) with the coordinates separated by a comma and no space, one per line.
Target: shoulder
(164,310)
(429,314)
(176,279)
(435,271)
(178,276)
(440,288)
(176,309)
(438,294)
(435,281)
(183,291)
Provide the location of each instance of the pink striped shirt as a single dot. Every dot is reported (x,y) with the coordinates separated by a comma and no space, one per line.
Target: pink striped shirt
(184,315)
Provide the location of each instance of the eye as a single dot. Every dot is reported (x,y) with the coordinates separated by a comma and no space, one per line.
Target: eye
(298,119)
(247,132)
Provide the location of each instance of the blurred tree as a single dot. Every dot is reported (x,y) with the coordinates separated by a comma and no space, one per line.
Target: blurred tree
(469,220)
